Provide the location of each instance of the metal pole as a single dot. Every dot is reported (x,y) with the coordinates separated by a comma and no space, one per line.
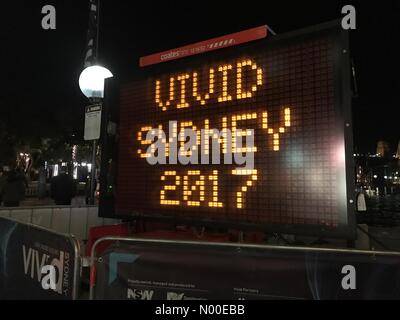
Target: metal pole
(93,173)
(98,31)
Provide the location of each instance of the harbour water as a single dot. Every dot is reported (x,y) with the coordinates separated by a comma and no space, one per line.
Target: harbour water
(383,220)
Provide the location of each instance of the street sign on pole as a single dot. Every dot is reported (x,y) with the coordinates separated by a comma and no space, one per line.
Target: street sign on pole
(92,122)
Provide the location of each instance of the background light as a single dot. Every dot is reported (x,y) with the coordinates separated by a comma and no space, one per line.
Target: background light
(55,172)
(91,81)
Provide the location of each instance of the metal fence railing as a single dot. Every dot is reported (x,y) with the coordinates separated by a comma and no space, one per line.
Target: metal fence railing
(62,219)
(154,269)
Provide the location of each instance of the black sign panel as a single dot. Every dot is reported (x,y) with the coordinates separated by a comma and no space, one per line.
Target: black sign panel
(289,93)
(24,250)
(159,271)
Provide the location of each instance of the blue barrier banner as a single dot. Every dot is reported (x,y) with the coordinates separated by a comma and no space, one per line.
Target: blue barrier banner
(35,263)
(160,271)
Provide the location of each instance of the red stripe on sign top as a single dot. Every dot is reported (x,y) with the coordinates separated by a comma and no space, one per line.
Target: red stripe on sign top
(206,46)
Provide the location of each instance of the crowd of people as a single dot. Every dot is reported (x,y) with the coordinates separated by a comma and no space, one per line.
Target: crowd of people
(14,184)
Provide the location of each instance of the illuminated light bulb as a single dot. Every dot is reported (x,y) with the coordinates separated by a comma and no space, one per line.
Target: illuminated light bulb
(281,130)
(287,117)
(265,116)
(239,91)
(198,96)
(183,103)
(158,101)
(225,97)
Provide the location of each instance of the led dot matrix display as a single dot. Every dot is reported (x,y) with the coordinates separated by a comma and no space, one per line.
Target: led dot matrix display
(285,92)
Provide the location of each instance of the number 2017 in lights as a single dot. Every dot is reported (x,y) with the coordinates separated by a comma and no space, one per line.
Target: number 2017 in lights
(199,187)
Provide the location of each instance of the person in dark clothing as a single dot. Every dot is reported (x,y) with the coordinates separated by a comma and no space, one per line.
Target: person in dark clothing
(14,189)
(21,175)
(88,189)
(3,181)
(63,189)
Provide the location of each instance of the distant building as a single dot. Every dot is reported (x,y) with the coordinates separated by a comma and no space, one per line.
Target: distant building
(398,151)
(382,149)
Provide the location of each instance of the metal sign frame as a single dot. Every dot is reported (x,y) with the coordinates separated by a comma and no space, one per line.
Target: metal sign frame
(342,107)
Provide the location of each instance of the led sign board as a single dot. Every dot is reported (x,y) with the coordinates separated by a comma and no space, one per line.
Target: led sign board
(286,98)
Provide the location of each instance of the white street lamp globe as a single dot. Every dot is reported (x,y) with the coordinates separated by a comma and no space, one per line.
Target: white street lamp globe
(91,81)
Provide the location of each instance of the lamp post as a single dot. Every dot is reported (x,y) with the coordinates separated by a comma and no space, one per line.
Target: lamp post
(91,83)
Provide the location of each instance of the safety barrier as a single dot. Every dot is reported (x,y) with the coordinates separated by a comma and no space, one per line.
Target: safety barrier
(132,268)
(32,190)
(62,219)
(24,250)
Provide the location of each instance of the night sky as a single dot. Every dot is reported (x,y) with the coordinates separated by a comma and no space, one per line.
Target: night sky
(40,94)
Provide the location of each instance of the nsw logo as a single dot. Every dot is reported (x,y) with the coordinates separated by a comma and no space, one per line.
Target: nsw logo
(136,294)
